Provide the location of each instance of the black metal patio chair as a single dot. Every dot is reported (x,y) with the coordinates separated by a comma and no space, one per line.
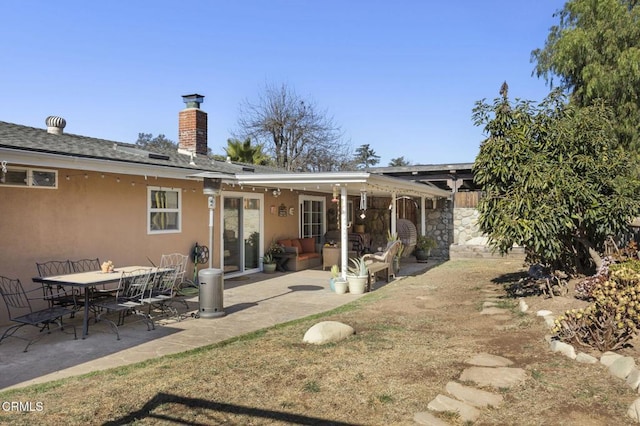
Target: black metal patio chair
(21,312)
(58,295)
(132,288)
(164,290)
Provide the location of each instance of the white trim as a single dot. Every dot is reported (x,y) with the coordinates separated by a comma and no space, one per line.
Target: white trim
(323,214)
(165,210)
(29,177)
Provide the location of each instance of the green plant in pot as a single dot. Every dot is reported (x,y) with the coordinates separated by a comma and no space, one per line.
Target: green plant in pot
(357,275)
(268,263)
(423,248)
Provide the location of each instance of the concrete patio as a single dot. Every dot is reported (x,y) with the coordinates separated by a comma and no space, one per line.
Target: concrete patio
(250,303)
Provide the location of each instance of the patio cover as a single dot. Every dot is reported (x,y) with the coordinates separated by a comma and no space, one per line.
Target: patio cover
(349,183)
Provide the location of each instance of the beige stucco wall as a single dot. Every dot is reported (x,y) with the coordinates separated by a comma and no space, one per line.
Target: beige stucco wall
(92,217)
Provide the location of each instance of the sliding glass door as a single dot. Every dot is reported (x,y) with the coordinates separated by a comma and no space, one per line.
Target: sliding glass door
(241,232)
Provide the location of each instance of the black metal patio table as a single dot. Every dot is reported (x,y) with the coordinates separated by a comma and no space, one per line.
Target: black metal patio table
(87,280)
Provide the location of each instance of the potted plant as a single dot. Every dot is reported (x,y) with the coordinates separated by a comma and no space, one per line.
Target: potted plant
(337,283)
(268,263)
(357,275)
(423,248)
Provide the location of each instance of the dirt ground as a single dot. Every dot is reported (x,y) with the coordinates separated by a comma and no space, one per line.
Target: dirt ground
(412,337)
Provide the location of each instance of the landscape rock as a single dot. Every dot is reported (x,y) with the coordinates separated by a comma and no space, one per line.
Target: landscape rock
(444,403)
(564,348)
(633,379)
(622,366)
(586,358)
(488,360)
(327,332)
(494,311)
(634,410)
(543,313)
(549,320)
(523,305)
(427,419)
(497,377)
(476,397)
(608,358)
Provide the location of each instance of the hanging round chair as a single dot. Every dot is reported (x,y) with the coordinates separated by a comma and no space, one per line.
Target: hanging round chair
(408,234)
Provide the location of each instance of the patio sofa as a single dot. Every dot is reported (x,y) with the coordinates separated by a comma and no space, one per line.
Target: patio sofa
(305,252)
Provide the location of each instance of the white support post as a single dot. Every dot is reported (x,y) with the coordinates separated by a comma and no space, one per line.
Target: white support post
(344,237)
(423,216)
(394,213)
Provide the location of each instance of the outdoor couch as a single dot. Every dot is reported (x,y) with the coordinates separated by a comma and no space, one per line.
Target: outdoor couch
(305,252)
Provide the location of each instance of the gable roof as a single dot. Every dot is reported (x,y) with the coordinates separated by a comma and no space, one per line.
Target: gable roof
(37,147)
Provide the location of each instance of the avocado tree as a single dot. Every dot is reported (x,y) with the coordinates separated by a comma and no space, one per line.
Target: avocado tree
(554,179)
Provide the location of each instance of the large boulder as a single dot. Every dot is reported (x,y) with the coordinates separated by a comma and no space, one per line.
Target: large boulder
(327,332)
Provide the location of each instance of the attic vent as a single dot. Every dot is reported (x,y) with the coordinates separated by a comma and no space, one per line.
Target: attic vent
(55,125)
(248,169)
(158,156)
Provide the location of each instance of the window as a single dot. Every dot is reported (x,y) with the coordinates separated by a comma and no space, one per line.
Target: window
(312,217)
(164,207)
(30,178)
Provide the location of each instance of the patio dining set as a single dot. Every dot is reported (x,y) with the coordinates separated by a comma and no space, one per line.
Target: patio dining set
(109,294)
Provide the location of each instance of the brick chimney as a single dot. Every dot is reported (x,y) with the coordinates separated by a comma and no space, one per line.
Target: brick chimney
(192,126)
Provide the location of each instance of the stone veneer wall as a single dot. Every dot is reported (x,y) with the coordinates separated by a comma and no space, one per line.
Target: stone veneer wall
(465,225)
(439,225)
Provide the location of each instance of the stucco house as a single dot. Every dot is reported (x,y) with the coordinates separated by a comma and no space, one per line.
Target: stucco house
(66,196)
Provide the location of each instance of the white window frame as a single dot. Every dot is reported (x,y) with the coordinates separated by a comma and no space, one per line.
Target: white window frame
(30,181)
(322,214)
(151,210)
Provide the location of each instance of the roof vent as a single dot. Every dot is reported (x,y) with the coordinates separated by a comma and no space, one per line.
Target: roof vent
(55,125)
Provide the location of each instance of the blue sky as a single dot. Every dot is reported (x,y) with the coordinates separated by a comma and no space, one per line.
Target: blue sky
(401,76)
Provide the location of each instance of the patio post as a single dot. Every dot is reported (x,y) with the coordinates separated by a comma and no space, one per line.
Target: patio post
(344,239)
(394,212)
(423,217)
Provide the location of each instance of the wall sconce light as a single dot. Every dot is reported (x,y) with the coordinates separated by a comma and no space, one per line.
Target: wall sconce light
(276,192)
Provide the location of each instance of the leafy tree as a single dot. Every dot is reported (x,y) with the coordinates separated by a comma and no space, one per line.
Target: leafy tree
(365,157)
(595,52)
(554,180)
(244,152)
(399,162)
(293,129)
(160,142)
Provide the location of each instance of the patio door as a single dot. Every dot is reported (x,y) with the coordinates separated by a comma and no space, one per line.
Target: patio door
(241,232)
(312,217)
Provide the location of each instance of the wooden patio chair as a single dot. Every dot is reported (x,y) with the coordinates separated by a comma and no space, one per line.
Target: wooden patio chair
(381,261)
(132,288)
(20,311)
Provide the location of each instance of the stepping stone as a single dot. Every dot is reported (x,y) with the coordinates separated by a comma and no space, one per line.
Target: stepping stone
(494,311)
(488,360)
(489,304)
(634,410)
(427,419)
(498,377)
(476,397)
(564,348)
(633,379)
(444,403)
(543,313)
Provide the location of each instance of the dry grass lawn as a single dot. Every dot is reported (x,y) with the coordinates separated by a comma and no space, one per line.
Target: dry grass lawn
(413,337)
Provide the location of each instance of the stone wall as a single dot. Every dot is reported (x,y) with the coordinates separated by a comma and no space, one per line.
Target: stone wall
(439,225)
(465,226)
